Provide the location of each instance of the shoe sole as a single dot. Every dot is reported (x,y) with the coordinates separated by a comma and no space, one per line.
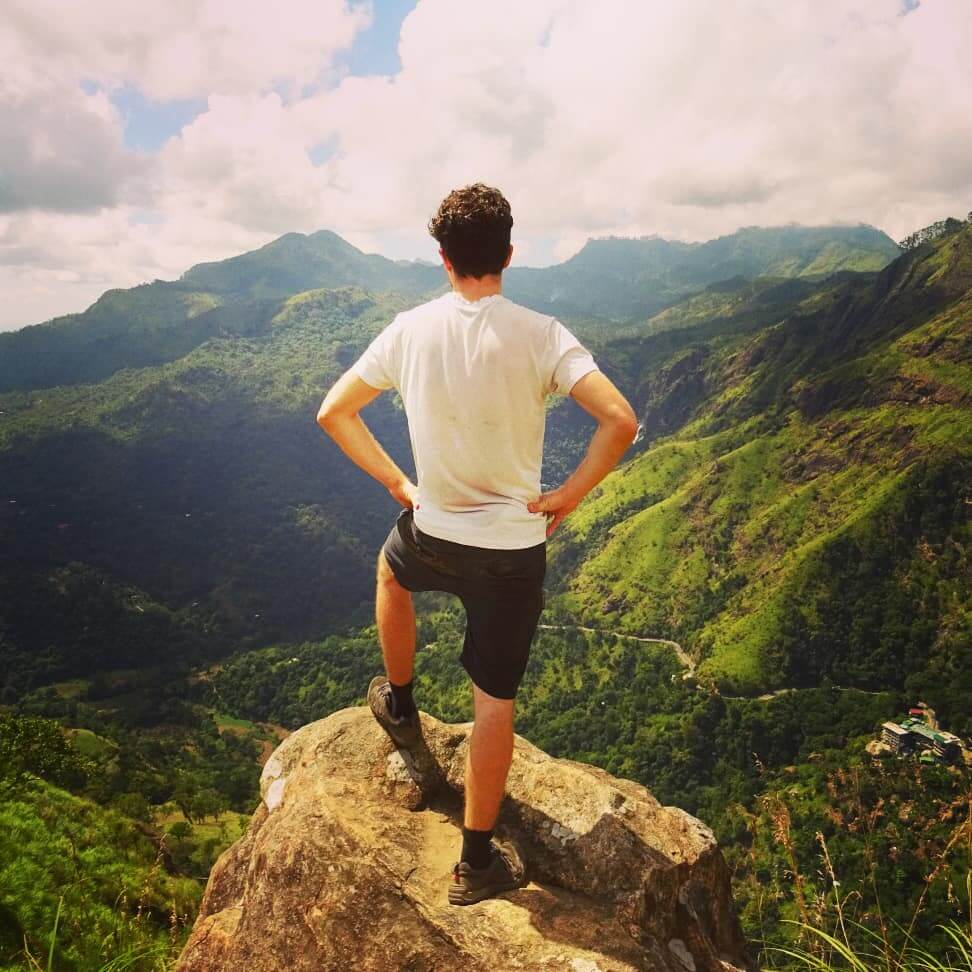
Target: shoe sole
(406,741)
(460,896)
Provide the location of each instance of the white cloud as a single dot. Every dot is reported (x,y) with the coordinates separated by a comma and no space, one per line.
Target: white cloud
(186,48)
(623,117)
(244,163)
(62,150)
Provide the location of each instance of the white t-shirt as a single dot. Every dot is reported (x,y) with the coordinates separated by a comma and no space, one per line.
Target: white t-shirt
(473,376)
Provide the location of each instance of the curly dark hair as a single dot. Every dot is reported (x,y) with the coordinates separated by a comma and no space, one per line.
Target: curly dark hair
(472,225)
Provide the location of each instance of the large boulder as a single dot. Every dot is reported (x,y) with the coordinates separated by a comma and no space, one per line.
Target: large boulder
(346,863)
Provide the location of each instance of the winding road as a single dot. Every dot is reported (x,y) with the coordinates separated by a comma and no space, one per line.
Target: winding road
(689,663)
(683,656)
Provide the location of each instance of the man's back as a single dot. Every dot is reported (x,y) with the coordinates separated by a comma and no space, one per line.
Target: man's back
(473,376)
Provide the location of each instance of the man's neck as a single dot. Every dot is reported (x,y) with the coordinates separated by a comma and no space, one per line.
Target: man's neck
(475,288)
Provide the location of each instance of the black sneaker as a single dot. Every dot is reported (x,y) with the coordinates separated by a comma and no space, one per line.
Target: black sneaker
(405,731)
(504,872)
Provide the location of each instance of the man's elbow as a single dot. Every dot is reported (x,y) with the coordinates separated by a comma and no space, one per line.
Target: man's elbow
(327,417)
(625,422)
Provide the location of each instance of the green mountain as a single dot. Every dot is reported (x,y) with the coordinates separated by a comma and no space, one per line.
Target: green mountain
(623,278)
(200,492)
(202,484)
(183,550)
(107,836)
(798,485)
(162,321)
(294,263)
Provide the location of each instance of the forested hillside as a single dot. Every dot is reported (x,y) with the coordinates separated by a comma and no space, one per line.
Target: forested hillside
(192,479)
(815,487)
(612,279)
(779,564)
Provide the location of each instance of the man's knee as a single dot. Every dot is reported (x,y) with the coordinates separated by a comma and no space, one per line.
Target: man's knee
(491,709)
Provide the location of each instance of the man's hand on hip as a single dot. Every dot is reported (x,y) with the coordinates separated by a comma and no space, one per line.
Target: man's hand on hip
(405,492)
(556,504)
(617,427)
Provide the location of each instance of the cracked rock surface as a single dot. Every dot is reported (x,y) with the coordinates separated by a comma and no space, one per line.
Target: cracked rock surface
(346,863)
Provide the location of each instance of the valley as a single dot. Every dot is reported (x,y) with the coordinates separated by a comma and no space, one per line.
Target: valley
(778,566)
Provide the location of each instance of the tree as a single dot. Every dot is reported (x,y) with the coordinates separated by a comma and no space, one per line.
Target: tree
(933,231)
(30,745)
(208,802)
(133,805)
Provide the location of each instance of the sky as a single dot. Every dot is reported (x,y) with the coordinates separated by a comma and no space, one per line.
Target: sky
(137,139)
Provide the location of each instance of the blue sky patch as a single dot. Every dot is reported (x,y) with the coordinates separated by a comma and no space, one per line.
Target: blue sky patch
(149,123)
(322,151)
(375,50)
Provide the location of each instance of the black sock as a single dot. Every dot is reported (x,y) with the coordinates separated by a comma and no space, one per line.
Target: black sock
(475,847)
(402,703)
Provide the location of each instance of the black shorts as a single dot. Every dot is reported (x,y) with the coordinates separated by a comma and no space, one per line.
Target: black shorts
(501,590)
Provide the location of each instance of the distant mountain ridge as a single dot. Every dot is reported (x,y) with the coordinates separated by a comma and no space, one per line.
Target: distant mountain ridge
(295,262)
(616,279)
(637,277)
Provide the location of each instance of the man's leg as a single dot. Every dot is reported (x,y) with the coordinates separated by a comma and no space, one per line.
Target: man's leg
(395,616)
(488,759)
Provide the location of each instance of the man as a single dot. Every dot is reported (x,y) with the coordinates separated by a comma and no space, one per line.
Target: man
(473,370)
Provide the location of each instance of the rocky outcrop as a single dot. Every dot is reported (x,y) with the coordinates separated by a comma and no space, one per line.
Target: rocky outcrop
(671,394)
(346,863)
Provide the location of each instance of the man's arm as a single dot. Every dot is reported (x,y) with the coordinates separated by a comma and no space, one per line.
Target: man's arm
(338,417)
(617,425)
